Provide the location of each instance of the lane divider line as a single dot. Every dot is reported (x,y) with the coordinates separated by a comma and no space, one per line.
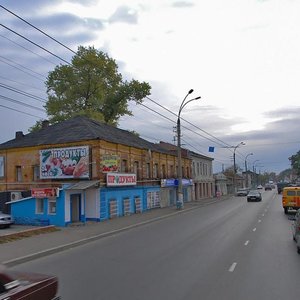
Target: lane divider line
(246,243)
(259,221)
(254,229)
(231,269)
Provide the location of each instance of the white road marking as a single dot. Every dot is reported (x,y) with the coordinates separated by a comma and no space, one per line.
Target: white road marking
(246,243)
(263,215)
(231,269)
(259,221)
(254,229)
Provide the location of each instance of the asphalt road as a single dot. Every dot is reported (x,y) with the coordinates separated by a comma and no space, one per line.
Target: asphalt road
(229,250)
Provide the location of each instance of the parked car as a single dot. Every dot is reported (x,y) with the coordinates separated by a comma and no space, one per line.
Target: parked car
(260,187)
(242,192)
(27,286)
(5,220)
(254,196)
(296,230)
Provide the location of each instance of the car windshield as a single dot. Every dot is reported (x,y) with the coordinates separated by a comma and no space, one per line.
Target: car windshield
(253,193)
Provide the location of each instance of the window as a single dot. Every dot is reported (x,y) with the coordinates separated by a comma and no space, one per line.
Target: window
(198,168)
(172,171)
(187,172)
(155,171)
(194,169)
(124,167)
(1,166)
(18,173)
(163,171)
(148,175)
(36,173)
(39,206)
(51,206)
(136,168)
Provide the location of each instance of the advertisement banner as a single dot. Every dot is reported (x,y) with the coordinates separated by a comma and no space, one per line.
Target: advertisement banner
(109,163)
(64,163)
(44,192)
(120,179)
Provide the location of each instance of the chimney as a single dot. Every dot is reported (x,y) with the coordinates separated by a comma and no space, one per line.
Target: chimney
(19,135)
(45,124)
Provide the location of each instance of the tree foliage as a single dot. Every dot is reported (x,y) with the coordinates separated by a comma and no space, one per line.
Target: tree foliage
(92,86)
(295,162)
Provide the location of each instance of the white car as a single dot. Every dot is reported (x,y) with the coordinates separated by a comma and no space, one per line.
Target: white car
(5,220)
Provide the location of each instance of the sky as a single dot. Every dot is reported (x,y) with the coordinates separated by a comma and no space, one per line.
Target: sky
(241,57)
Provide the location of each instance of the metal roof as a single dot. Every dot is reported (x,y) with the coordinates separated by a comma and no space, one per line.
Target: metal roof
(83,185)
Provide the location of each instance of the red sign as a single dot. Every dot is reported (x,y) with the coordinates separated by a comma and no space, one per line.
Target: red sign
(44,192)
(120,179)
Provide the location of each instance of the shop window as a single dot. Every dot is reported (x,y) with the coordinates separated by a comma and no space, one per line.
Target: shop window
(36,173)
(19,174)
(51,206)
(39,209)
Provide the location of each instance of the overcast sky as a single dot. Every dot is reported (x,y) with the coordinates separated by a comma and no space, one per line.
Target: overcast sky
(241,57)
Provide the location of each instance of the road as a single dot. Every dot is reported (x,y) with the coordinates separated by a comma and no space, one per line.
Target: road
(228,250)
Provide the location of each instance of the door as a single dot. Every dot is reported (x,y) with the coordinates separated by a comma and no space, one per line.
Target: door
(75,208)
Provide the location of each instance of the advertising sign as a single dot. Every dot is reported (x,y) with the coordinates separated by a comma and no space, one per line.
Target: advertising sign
(109,163)
(120,179)
(44,192)
(63,163)
(174,182)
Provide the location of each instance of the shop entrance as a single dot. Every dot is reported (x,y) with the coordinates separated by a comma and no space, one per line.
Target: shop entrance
(75,207)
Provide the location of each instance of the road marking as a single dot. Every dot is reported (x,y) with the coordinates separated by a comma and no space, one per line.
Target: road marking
(266,210)
(263,215)
(231,269)
(259,221)
(246,243)
(254,229)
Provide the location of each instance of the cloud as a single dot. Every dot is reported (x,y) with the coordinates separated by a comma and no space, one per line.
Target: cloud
(124,14)
(183,4)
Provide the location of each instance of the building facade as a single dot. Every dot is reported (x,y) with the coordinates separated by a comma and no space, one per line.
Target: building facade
(80,170)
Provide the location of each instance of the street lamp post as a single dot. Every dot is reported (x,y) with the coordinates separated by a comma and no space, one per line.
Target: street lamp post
(179,202)
(247,179)
(234,166)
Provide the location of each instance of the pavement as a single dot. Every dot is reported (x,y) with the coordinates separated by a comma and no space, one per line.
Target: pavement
(29,248)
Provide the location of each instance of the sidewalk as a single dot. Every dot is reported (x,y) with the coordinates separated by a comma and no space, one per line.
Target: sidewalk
(19,251)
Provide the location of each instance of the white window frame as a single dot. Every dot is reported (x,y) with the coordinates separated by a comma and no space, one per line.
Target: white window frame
(39,211)
(51,201)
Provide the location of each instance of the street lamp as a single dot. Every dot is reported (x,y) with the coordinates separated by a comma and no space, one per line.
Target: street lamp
(234,167)
(246,161)
(179,202)
(247,179)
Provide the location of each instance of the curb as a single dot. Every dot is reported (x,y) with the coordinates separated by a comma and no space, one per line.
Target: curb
(23,259)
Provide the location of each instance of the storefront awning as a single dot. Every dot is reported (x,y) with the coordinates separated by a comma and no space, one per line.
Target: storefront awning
(83,185)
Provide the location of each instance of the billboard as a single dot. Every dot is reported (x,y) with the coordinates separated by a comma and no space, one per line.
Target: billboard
(64,163)
(109,163)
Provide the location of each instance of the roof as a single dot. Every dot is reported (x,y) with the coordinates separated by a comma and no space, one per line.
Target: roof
(83,185)
(78,129)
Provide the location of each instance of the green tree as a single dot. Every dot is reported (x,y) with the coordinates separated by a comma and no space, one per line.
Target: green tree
(295,162)
(92,86)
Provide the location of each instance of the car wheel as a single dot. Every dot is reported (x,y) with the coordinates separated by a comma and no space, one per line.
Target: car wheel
(285,210)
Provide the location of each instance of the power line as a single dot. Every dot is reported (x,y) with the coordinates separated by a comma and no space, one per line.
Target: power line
(41,31)
(23,112)
(37,45)
(21,103)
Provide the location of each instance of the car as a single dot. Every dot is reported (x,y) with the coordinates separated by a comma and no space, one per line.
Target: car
(26,286)
(296,230)
(254,195)
(5,220)
(242,192)
(259,187)
(268,188)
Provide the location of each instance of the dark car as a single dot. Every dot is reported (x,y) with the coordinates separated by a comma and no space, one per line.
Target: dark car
(296,230)
(254,196)
(27,286)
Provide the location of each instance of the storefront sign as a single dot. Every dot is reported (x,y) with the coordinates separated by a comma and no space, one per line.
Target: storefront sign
(174,182)
(109,163)
(62,163)
(120,179)
(44,192)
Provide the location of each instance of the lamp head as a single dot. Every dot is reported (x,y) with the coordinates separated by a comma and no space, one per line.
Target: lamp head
(190,91)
